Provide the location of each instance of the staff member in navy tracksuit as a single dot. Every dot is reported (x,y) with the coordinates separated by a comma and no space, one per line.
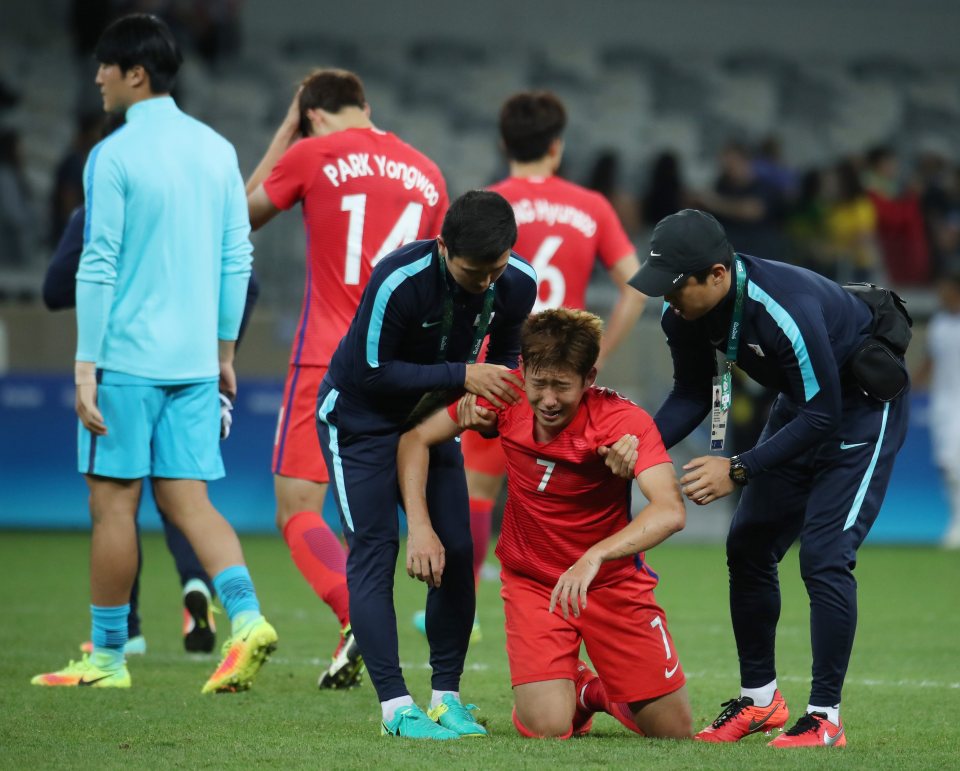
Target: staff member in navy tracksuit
(412,344)
(819,470)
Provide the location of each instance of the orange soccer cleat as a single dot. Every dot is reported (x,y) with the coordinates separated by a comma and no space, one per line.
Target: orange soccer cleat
(243,655)
(740,718)
(812,730)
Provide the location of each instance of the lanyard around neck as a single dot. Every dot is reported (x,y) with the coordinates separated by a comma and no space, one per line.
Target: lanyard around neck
(446,326)
(733,340)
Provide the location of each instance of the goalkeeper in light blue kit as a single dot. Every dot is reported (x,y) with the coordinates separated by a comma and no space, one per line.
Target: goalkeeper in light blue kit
(162,278)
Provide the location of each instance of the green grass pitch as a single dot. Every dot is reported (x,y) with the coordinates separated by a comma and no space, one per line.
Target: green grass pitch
(901,704)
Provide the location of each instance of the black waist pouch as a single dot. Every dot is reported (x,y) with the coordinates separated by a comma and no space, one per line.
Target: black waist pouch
(877,366)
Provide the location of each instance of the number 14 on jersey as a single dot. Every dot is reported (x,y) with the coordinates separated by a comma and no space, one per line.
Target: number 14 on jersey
(404,230)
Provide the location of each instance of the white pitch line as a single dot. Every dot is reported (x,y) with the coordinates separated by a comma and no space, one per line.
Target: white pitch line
(869,682)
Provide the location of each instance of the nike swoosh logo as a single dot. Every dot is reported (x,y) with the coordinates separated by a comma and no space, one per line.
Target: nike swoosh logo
(831,740)
(91,682)
(668,673)
(755,725)
(428,324)
(845,446)
(654,254)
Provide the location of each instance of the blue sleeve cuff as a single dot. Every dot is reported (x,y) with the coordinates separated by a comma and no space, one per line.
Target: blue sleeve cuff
(93,311)
(233,297)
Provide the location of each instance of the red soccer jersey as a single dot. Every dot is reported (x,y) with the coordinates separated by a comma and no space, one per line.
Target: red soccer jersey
(561,498)
(563,228)
(365,193)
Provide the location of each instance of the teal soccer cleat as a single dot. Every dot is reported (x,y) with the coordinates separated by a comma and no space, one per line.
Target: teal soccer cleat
(455,716)
(411,722)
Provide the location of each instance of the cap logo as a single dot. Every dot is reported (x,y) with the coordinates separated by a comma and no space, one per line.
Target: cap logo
(654,254)
(678,278)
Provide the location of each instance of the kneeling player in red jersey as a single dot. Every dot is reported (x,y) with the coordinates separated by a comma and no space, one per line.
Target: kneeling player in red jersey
(567,530)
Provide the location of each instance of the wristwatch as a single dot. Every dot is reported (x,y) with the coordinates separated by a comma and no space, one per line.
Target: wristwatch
(738,471)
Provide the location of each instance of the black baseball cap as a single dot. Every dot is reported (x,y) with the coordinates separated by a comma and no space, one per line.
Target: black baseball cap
(682,243)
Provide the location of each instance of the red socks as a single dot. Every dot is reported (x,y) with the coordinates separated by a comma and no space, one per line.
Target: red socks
(321,558)
(595,698)
(481,518)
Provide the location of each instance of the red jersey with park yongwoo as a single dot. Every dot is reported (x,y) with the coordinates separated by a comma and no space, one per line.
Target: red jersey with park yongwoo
(365,193)
(561,497)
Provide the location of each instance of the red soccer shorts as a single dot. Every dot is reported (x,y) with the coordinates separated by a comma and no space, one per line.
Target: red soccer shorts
(623,628)
(482,455)
(296,447)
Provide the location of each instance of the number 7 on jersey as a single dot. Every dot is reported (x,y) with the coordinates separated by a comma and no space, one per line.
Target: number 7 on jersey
(546,474)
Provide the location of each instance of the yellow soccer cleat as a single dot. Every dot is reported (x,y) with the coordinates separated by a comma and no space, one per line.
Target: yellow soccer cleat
(83,673)
(243,655)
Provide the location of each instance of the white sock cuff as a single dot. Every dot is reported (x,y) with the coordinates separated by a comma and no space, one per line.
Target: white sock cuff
(437,697)
(389,708)
(832,713)
(762,696)
(196,585)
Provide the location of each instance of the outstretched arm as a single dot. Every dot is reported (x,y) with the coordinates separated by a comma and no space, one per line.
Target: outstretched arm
(663,516)
(425,553)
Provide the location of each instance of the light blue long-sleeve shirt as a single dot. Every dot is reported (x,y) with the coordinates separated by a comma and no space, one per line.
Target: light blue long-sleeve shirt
(167,254)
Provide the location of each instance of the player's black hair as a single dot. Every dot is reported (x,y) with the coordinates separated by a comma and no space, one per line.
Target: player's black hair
(479,226)
(529,122)
(329,90)
(143,39)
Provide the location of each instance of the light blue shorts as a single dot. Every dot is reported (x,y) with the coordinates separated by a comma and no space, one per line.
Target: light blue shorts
(156,430)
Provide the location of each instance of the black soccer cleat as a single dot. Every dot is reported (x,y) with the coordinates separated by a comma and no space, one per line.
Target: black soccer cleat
(199,631)
(346,670)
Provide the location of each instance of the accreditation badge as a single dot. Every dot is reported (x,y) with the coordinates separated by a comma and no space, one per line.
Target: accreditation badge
(722,397)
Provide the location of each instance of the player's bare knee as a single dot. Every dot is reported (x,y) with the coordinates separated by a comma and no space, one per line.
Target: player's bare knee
(679,725)
(545,726)
(296,495)
(544,718)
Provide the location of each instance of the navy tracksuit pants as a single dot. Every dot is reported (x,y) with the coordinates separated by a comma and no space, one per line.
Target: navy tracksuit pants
(361,456)
(829,497)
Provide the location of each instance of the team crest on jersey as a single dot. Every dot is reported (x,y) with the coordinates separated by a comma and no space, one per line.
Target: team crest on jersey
(756,349)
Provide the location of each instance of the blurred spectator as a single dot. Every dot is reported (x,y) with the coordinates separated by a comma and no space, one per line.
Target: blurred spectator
(665,193)
(215,29)
(806,225)
(851,227)
(900,226)
(940,203)
(941,371)
(770,169)
(750,210)
(86,20)
(67,192)
(17,223)
(605,179)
